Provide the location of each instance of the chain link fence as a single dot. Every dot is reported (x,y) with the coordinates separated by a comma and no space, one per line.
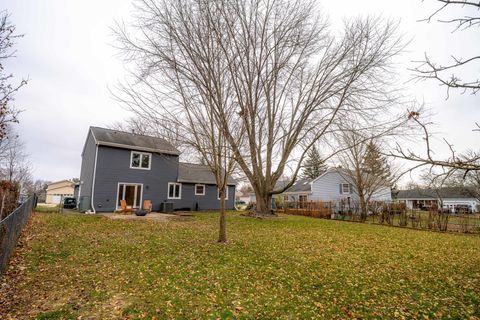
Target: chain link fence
(10,229)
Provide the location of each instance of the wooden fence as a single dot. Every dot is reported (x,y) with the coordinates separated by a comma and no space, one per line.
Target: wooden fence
(315,209)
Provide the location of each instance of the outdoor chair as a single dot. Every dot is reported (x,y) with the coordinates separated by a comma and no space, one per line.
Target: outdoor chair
(147,205)
(125,208)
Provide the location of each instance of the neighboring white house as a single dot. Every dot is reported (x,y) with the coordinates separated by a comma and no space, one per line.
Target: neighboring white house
(242,196)
(332,185)
(454,199)
(56,191)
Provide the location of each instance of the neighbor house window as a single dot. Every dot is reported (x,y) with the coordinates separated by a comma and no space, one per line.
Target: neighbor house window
(140,160)
(345,188)
(302,198)
(199,189)
(226,193)
(174,190)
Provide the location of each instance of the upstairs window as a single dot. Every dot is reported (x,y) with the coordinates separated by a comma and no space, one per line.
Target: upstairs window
(174,190)
(140,160)
(345,187)
(199,189)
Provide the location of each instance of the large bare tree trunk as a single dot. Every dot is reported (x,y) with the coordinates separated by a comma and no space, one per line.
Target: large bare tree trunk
(264,203)
(222,233)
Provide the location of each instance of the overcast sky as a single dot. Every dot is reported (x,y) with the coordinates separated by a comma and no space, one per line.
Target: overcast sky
(68,56)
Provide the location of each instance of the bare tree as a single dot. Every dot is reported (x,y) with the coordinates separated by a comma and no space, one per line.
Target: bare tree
(447,74)
(270,70)
(168,90)
(14,164)
(466,161)
(364,165)
(8,36)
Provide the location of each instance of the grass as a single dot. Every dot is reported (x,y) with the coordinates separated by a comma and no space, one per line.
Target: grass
(48,209)
(288,268)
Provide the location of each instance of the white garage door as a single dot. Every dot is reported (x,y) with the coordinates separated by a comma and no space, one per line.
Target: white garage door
(56,199)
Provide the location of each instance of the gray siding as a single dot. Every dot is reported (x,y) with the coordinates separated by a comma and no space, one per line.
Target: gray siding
(327,188)
(209,201)
(86,173)
(113,167)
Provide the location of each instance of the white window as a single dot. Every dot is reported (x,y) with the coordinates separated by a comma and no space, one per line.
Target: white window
(345,188)
(302,198)
(226,193)
(140,160)
(199,189)
(174,190)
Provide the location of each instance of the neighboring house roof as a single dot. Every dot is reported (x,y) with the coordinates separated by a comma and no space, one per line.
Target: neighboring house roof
(126,140)
(341,171)
(434,194)
(280,184)
(60,184)
(302,185)
(197,173)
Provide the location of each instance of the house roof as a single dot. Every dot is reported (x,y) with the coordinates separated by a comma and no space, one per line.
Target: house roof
(121,139)
(433,193)
(197,173)
(302,185)
(60,184)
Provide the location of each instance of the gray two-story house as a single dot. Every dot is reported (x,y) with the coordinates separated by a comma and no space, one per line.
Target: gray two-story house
(119,166)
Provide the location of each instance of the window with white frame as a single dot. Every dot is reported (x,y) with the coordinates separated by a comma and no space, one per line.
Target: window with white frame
(302,198)
(174,190)
(345,188)
(140,160)
(199,189)
(226,193)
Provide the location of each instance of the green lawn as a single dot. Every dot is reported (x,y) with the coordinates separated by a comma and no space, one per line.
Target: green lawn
(292,268)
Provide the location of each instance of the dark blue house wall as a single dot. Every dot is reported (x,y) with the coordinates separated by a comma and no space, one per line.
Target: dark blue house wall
(113,167)
(86,173)
(209,201)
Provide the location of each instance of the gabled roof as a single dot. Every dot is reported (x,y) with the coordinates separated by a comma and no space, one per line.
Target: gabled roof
(443,193)
(126,140)
(197,173)
(342,171)
(302,185)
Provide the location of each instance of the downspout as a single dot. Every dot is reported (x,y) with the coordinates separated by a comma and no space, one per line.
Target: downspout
(93,180)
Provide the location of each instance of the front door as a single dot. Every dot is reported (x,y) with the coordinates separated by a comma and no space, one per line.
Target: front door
(131,193)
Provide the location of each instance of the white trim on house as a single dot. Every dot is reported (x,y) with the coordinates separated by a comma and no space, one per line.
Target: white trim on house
(199,194)
(142,149)
(140,163)
(85,144)
(93,178)
(226,193)
(179,190)
(348,187)
(117,207)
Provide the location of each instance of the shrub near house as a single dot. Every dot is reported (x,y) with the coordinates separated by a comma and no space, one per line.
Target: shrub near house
(119,166)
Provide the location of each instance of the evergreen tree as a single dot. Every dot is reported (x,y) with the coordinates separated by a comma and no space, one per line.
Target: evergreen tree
(375,164)
(314,165)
